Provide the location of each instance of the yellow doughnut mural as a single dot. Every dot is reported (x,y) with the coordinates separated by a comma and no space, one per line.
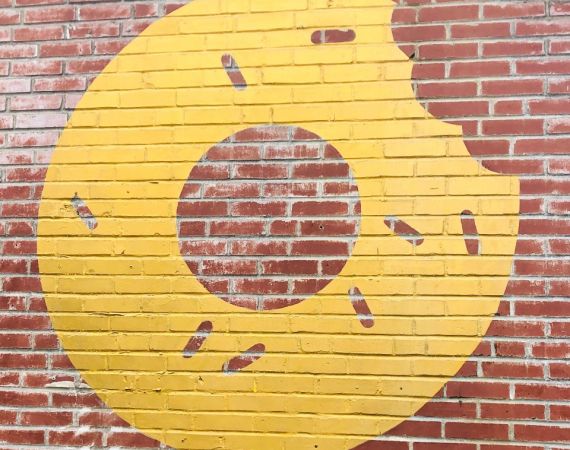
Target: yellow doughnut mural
(400,316)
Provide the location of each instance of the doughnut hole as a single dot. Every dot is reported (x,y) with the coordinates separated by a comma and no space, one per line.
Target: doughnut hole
(268,217)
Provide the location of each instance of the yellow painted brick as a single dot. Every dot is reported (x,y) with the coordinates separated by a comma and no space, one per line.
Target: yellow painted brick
(294,75)
(437,366)
(448,326)
(408,386)
(444,206)
(495,284)
(206,24)
(141,247)
(378,345)
(398,70)
(499,205)
(442,245)
(482,186)
(140,323)
(242,40)
(343,73)
(199,441)
(467,307)
(450,347)
(410,307)
(387,207)
(101,304)
(322,93)
(57,265)
(114,266)
(416,147)
(84,119)
(147,63)
(78,285)
(164,267)
(383,168)
(91,342)
(190,324)
(352,385)
(188,43)
(293,113)
(117,82)
(88,360)
(266,21)
(141,284)
(143,400)
(292,5)
(98,100)
(223,422)
(380,365)
(204,96)
(430,186)
(448,286)
(475,266)
(409,346)
(278,58)
(326,18)
(133,342)
(325,55)
(422,266)
(486,225)
(448,167)
(115,381)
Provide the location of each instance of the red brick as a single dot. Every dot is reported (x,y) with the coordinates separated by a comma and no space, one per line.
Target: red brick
(104,12)
(448,13)
(260,171)
(513,48)
(320,208)
(37,68)
(512,87)
(290,267)
(255,208)
(514,10)
(447,51)
(131,440)
(466,389)
(479,69)
(480,30)
(466,430)
(80,66)
(235,267)
(39,33)
(75,438)
(9,17)
(79,31)
(59,84)
(541,392)
(542,433)
(418,33)
(50,418)
(542,28)
(49,14)
(447,90)
(448,409)
(110,47)
(20,399)
(499,369)
(22,437)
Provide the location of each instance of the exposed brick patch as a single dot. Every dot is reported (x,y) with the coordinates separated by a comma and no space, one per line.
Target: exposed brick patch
(257,223)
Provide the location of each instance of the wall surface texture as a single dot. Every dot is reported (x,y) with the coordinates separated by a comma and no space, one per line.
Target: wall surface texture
(262,228)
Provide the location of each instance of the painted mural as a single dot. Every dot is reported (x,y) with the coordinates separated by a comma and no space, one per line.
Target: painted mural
(252,235)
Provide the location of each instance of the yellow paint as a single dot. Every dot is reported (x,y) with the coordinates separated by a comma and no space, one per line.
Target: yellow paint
(125,304)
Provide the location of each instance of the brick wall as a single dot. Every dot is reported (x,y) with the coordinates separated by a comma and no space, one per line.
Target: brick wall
(498,68)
